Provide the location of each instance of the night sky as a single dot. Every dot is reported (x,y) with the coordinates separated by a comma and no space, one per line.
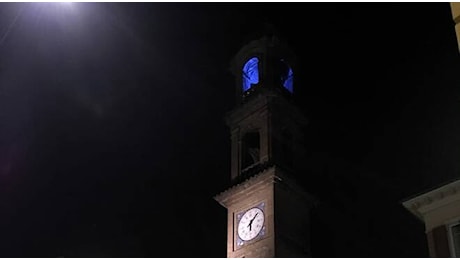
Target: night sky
(112,134)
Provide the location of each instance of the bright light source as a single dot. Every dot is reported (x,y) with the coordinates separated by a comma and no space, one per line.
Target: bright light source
(59,2)
(56,9)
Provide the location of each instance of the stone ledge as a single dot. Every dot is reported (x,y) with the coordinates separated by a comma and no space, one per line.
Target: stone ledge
(432,199)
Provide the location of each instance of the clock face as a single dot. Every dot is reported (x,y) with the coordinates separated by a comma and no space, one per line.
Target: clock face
(250,224)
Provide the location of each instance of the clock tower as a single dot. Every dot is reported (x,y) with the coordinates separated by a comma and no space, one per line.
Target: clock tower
(268,210)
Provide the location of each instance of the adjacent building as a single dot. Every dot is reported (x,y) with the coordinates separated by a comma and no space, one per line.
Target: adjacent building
(439,208)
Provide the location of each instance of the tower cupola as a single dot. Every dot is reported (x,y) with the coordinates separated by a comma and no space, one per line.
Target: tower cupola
(266,64)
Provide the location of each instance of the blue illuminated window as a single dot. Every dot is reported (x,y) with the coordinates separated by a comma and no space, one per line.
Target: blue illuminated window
(250,73)
(288,82)
(287,78)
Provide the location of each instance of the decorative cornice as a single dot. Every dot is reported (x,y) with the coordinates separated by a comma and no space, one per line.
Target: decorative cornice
(270,174)
(265,99)
(267,173)
(432,199)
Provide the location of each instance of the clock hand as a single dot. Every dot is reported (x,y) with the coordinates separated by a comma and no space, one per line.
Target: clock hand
(250,222)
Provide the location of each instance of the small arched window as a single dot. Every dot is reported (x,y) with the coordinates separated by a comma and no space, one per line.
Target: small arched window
(250,73)
(250,149)
(287,78)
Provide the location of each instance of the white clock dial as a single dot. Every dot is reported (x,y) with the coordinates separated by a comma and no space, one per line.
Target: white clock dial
(250,224)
